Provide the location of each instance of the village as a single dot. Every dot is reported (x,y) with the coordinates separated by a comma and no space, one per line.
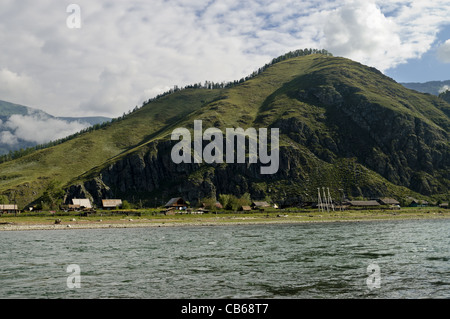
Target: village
(179,206)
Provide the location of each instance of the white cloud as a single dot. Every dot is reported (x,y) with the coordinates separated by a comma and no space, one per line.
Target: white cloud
(444,88)
(16,87)
(129,51)
(444,52)
(6,137)
(383,34)
(37,128)
(360,31)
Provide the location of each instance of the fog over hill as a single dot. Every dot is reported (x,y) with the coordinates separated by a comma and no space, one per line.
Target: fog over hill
(22,126)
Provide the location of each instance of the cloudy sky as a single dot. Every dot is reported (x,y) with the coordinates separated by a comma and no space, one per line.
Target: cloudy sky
(128,51)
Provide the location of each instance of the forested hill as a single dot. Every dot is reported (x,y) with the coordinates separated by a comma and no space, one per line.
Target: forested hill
(342,125)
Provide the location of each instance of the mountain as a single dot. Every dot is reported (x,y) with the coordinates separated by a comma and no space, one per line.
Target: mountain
(431,87)
(7,109)
(342,125)
(21,126)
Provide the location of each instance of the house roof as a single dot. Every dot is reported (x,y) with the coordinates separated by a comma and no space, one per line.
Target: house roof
(364,203)
(176,202)
(246,208)
(111,202)
(388,201)
(261,204)
(417,201)
(82,202)
(8,207)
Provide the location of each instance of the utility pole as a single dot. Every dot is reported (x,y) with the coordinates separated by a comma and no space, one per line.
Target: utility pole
(319,200)
(330,199)
(326,199)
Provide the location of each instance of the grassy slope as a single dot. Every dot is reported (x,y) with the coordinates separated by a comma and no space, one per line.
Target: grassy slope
(68,160)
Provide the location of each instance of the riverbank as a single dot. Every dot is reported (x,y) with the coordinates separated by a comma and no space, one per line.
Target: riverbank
(21,223)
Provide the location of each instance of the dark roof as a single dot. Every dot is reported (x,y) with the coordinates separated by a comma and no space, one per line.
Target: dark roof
(417,201)
(260,204)
(176,201)
(364,203)
(388,201)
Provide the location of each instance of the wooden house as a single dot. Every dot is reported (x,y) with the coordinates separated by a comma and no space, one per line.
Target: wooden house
(260,205)
(111,203)
(8,208)
(388,201)
(444,205)
(217,205)
(245,209)
(82,203)
(363,203)
(177,203)
(418,203)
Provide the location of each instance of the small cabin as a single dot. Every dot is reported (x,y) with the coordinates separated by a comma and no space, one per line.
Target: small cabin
(177,203)
(111,203)
(217,205)
(82,203)
(245,209)
(418,203)
(260,205)
(363,203)
(388,201)
(8,208)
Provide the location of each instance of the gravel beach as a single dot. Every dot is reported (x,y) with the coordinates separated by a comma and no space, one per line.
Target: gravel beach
(210,221)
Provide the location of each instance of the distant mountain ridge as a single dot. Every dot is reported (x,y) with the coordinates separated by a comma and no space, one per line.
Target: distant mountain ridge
(430,87)
(10,142)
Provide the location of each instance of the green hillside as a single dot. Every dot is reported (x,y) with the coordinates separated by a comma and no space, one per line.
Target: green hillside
(343,125)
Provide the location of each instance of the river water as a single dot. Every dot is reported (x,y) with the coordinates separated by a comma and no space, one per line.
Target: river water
(383,259)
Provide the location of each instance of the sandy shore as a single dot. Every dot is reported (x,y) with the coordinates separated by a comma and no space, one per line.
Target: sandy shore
(130,223)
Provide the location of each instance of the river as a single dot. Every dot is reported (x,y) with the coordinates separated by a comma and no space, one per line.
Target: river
(382,259)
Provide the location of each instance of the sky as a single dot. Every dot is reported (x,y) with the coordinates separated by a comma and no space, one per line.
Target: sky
(110,56)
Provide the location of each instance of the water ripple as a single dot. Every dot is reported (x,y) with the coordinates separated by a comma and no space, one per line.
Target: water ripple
(260,261)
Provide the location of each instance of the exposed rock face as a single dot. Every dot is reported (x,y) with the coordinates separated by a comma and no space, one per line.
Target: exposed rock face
(393,144)
(140,175)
